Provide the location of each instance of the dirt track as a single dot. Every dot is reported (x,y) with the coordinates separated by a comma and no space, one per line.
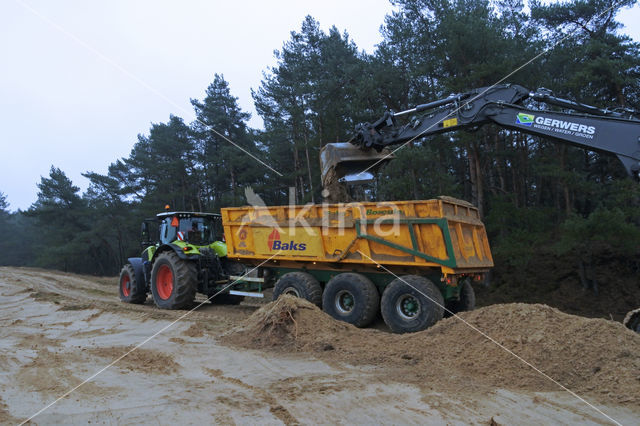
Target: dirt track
(58,329)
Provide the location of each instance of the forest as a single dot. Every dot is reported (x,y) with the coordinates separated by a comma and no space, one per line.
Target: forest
(553,212)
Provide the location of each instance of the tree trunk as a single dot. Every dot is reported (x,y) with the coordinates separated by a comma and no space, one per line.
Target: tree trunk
(525,169)
(233,185)
(475,173)
(306,151)
(565,186)
(414,183)
(296,169)
(500,164)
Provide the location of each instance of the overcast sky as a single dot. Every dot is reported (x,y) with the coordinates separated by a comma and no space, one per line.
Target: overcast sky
(80,79)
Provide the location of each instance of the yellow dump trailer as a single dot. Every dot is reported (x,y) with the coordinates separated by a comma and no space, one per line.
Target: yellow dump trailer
(420,254)
(443,233)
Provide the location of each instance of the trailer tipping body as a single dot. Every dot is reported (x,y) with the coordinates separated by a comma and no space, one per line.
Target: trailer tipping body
(443,233)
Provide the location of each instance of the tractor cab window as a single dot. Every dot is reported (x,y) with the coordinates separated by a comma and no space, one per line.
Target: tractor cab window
(150,232)
(197,232)
(168,233)
(193,230)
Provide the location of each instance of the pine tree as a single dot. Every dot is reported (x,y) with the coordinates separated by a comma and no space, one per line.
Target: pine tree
(60,216)
(4,204)
(226,150)
(309,99)
(162,167)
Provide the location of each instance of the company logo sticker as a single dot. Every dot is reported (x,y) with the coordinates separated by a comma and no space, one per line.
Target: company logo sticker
(525,119)
(550,124)
(275,243)
(273,236)
(379,212)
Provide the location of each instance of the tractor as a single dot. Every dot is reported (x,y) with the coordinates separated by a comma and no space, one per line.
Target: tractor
(183,253)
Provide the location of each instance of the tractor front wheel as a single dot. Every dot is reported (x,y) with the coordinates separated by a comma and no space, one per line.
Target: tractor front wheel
(173,281)
(131,290)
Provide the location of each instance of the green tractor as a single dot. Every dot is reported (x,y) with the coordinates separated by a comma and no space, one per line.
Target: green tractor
(183,253)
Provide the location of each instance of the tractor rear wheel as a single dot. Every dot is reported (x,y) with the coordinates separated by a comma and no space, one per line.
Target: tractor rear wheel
(173,281)
(352,298)
(466,302)
(411,303)
(299,284)
(130,289)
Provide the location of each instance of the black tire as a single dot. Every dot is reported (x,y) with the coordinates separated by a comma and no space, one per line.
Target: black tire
(234,268)
(231,267)
(467,300)
(131,288)
(299,284)
(411,303)
(632,320)
(173,281)
(352,298)
(227,299)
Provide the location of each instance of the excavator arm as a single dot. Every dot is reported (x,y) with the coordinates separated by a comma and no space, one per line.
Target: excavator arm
(609,131)
(510,106)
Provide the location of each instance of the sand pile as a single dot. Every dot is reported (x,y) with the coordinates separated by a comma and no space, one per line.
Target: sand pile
(288,323)
(587,355)
(148,361)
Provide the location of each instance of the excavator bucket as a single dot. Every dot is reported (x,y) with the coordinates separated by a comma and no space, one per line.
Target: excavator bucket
(346,163)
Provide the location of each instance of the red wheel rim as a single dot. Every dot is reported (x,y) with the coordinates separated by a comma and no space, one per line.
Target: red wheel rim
(125,284)
(164,282)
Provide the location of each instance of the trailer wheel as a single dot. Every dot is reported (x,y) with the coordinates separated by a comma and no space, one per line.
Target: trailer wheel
(632,320)
(352,298)
(467,300)
(129,288)
(173,281)
(411,303)
(299,284)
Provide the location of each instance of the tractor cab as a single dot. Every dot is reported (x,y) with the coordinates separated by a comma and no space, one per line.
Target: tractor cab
(199,229)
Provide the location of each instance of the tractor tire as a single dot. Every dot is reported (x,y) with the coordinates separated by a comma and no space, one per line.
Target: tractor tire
(130,289)
(352,298)
(173,281)
(467,301)
(299,284)
(411,303)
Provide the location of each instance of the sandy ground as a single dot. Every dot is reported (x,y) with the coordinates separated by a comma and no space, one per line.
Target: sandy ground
(58,329)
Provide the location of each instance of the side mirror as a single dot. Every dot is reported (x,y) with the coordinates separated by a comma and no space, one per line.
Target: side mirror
(144,235)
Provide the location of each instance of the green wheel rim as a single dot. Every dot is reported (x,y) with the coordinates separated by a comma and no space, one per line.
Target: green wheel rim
(408,307)
(344,302)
